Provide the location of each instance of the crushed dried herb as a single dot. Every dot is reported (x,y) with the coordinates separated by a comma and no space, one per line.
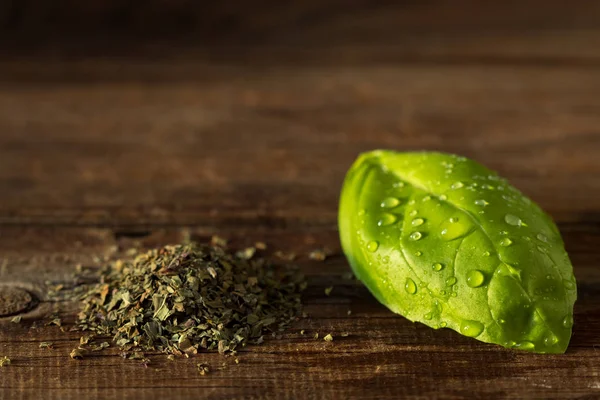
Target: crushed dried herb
(203,369)
(183,299)
(46,345)
(85,339)
(136,355)
(317,255)
(77,353)
(54,321)
(16,320)
(218,241)
(328,338)
(247,253)
(291,256)
(99,346)
(4,361)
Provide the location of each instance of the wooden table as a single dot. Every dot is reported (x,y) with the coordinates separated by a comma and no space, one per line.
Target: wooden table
(134,144)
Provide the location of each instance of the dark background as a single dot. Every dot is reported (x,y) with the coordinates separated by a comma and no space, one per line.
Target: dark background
(161,28)
(126,123)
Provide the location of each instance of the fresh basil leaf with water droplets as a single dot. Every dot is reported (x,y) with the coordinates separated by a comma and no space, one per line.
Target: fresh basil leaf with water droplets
(445,241)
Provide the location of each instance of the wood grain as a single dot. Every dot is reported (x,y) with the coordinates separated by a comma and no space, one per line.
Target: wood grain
(249,142)
(242,122)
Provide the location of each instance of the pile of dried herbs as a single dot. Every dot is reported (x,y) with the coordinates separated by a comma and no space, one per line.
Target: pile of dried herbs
(187,298)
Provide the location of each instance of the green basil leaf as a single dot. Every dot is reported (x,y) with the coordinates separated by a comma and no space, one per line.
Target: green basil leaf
(444,241)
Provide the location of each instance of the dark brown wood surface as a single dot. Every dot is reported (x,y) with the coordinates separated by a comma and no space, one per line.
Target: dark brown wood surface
(248,134)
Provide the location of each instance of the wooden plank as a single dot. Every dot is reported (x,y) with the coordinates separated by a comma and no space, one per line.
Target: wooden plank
(384,356)
(243,145)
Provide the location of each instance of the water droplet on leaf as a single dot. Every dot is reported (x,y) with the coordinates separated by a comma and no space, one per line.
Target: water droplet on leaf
(481,203)
(471,328)
(416,235)
(417,221)
(568,284)
(568,321)
(387,219)
(513,220)
(438,266)
(550,340)
(457,185)
(372,246)
(525,345)
(508,270)
(410,286)
(451,281)
(475,278)
(454,229)
(390,202)
(542,237)
(505,242)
